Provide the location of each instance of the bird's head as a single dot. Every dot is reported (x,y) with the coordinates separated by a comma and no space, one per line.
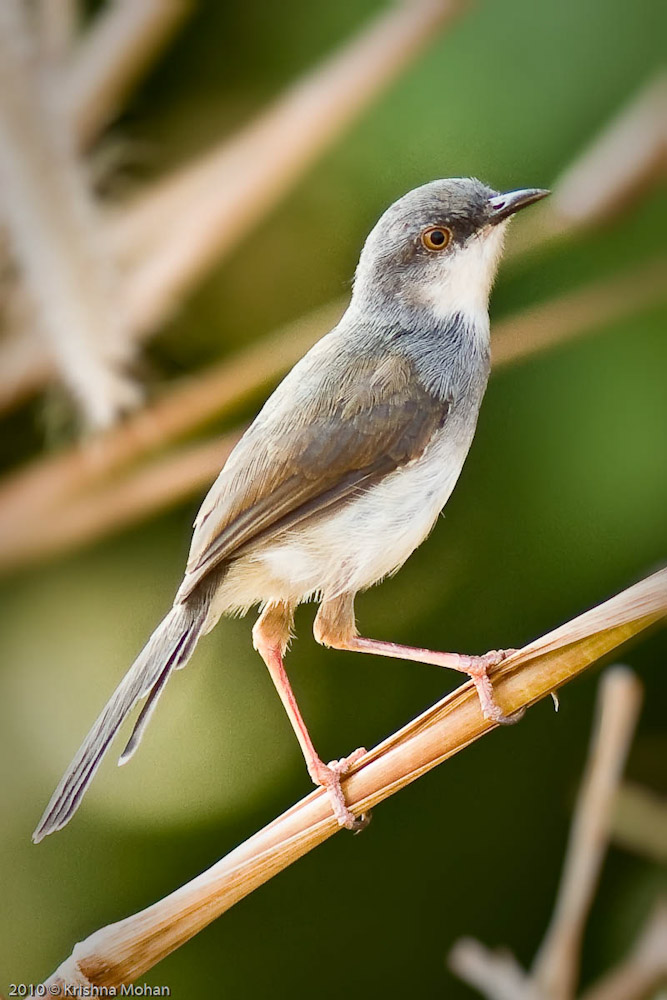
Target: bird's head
(438,248)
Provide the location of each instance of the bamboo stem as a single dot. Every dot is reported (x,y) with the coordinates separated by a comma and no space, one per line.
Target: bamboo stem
(123,951)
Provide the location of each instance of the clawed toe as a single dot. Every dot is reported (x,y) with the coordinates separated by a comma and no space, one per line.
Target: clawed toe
(495,656)
(478,669)
(328,776)
(343,765)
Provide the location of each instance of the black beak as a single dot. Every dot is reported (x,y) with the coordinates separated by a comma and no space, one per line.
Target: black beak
(504,205)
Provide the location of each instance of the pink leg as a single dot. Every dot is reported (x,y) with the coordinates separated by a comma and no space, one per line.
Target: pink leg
(475,666)
(328,775)
(335,627)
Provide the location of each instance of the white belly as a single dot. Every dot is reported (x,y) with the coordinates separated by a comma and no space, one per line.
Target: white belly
(355,546)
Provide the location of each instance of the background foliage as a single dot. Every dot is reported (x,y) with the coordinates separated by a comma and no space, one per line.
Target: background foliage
(561,503)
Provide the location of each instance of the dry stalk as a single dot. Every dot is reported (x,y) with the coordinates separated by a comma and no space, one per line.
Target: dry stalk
(616,169)
(556,968)
(216,200)
(53,227)
(60,478)
(120,43)
(71,485)
(156,485)
(497,975)
(630,152)
(645,968)
(172,234)
(640,822)
(123,951)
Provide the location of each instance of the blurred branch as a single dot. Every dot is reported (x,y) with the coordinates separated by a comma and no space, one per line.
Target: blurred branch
(497,975)
(644,970)
(629,153)
(155,486)
(121,41)
(189,220)
(609,300)
(123,951)
(55,479)
(55,485)
(88,77)
(640,822)
(556,968)
(55,237)
(57,24)
(623,160)
(174,233)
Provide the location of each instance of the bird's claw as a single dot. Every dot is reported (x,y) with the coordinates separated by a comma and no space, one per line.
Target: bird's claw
(328,776)
(478,669)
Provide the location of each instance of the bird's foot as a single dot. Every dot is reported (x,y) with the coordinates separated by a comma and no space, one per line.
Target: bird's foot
(328,776)
(478,669)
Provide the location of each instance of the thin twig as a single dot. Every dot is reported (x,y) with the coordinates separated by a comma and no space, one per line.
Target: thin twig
(126,950)
(58,478)
(222,195)
(193,195)
(62,481)
(119,44)
(640,822)
(645,968)
(630,152)
(495,974)
(156,486)
(613,171)
(556,968)
(53,226)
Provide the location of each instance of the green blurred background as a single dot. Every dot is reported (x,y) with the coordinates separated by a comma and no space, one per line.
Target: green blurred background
(562,502)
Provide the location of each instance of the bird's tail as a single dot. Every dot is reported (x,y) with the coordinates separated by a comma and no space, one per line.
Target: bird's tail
(169,648)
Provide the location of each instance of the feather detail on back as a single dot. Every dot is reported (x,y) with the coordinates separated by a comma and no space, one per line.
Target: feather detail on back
(309,450)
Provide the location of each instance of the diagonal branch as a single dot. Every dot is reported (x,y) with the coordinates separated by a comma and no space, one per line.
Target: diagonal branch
(645,968)
(123,951)
(120,42)
(71,486)
(170,237)
(215,200)
(612,172)
(629,154)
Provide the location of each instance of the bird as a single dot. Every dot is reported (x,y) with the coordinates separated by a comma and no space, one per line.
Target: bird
(343,472)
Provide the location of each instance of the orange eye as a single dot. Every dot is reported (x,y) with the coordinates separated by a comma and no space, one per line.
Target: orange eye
(436,237)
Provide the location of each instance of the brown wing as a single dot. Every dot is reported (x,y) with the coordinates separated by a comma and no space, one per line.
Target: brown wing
(334,426)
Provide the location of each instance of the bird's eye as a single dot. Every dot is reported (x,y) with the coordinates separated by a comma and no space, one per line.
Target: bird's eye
(436,237)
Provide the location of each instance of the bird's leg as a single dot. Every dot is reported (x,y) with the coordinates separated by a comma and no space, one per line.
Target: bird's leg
(335,627)
(270,637)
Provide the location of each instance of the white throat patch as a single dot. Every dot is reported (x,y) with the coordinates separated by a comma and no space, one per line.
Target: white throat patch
(467,279)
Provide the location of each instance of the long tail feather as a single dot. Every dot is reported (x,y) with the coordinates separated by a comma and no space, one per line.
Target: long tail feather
(170,646)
